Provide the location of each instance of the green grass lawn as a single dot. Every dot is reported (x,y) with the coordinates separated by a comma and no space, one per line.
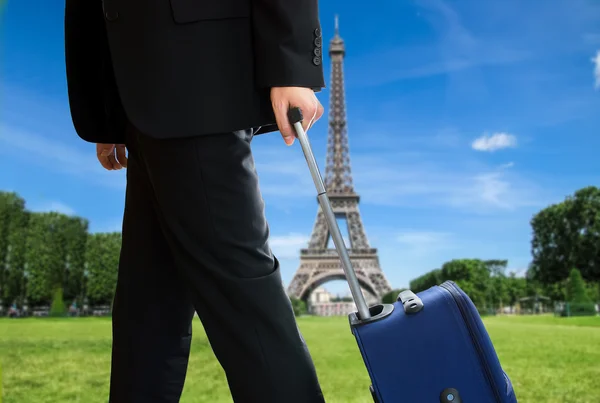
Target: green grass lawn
(550,360)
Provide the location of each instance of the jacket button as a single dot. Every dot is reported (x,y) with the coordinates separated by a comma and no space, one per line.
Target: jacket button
(317,32)
(317,51)
(318,41)
(111,16)
(316,60)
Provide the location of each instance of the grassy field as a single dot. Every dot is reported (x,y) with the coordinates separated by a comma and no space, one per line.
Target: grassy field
(550,360)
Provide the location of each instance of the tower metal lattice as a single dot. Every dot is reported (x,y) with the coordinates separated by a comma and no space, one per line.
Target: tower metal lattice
(318,263)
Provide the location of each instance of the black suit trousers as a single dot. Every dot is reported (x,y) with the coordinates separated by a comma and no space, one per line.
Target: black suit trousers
(195,238)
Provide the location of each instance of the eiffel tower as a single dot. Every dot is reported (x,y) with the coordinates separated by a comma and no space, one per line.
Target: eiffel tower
(318,263)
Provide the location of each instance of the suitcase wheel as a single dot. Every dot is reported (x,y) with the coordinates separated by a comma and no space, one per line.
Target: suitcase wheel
(450,395)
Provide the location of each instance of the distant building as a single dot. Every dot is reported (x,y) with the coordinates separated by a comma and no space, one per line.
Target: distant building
(319,303)
(319,295)
(333,308)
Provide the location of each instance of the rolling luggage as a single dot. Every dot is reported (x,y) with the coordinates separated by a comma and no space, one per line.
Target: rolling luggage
(425,348)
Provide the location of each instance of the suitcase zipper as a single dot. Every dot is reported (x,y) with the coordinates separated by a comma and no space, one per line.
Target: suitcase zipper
(458,298)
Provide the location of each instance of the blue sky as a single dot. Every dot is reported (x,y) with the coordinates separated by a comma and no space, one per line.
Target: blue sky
(465,118)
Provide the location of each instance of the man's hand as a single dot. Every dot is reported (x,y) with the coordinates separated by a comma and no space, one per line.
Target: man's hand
(112,156)
(284,98)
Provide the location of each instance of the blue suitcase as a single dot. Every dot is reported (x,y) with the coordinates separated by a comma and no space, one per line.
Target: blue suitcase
(431,347)
(425,348)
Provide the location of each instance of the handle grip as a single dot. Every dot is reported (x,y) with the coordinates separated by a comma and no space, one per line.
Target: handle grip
(295,117)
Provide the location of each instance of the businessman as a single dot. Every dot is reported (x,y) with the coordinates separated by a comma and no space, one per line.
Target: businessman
(175,90)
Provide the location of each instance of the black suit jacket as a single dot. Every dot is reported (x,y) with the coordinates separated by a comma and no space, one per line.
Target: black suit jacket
(178,68)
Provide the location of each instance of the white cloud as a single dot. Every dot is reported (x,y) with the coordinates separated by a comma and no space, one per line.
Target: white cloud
(388,181)
(397,179)
(455,49)
(60,157)
(54,206)
(66,156)
(383,178)
(496,141)
(288,246)
(473,34)
(596,61)
(493,188)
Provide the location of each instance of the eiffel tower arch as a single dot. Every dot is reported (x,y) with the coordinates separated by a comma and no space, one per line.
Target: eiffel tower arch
(319,263)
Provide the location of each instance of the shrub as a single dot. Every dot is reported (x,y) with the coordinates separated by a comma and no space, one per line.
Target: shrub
(581,309)
(58,304)
(299,306)
(580,303)
(577,292)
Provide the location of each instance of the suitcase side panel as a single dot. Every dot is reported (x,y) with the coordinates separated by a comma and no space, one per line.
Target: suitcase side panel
(500,378)
(413,358)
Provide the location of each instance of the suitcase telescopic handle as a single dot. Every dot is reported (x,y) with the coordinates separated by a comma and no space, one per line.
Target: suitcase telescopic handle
(295,118)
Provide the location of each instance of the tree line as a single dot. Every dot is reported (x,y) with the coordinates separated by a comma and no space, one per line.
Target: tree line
(44,254)
(565,266)
(491,288)
(485,281)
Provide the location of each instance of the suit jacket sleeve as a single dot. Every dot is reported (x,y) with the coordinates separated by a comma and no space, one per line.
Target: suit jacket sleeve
(287,43)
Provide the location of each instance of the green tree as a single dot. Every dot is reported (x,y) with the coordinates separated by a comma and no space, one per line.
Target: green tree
(472,276)
(580,302)
(566,235)
(498,291)
(11,206)
(496,266)
(593,290)
(555,291)
(391,296)
(15,270)
(45,256)
(76,234)
(341,299)
(533,286)
(102,257)
(14,219)
(426,281)
(498,283)
(516,288)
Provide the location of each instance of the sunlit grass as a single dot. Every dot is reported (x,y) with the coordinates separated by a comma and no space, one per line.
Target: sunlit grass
(550,360)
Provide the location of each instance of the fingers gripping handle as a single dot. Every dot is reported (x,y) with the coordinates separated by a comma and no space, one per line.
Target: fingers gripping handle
(295,118)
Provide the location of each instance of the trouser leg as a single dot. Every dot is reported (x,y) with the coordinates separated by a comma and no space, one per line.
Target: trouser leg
(152,311)
(212,214)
